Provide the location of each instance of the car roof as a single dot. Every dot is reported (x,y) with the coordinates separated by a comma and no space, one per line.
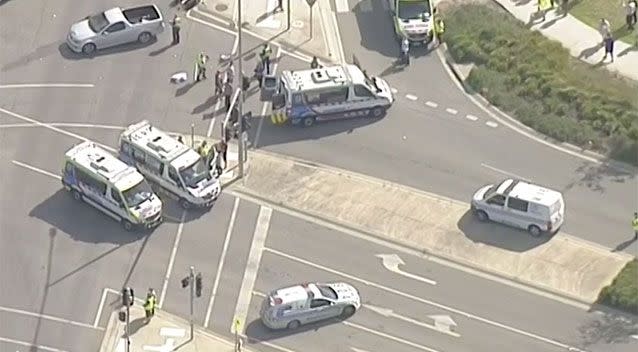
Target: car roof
(529,192)
(297,293)
(114,15)
(155,142)
(330,76)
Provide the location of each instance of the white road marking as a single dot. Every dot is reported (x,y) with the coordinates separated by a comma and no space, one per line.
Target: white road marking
(431,104)
(38,170)
(506,173)
(491,124)
(49,317)
(451,111)
(64,124)
(171,260)
(389,313)
(252,266)
(354,349)
(411,97)
(342,6)
(211,125)
(471,117)
(422,300)
(390,337)
(172,332)
(46,85)
(266,105)
(392,263)
(26,344)
(100,307)
(270,21)
(394,90)
(220,264)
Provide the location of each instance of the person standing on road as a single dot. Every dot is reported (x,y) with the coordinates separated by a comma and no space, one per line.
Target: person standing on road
(230,73)
(259,72)
(608,40)
(228,92)
(634,224)
(265,57)
(219,83)
(630,11)
(149,305)
(609,48)
(176,28)
(202,58)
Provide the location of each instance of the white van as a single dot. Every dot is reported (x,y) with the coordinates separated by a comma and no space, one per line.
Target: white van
(170,164)
(520,204)
(95,176)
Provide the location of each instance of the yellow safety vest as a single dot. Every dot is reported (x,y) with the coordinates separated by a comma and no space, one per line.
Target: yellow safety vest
(634,223)
(278,117)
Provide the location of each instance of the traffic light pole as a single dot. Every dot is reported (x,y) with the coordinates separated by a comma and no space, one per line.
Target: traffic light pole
(128,324)
(192,284)
(240,78)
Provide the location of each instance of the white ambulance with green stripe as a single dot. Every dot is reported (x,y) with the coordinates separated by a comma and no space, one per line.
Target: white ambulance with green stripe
(98,178)
(413,20)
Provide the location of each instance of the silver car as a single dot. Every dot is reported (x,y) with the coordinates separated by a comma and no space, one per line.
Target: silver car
(115,27)
(291,307)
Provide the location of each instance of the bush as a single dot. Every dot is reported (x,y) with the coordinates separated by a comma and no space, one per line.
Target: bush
(537,81)
(623,291)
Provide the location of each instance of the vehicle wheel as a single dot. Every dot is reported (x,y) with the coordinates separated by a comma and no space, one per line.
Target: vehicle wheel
(377,112)
(293,325)
(185,204)
(127,225)
(76,195)
(308,121)
(144,37)
(534,230)
(482,216)
(347,311)
(88,48)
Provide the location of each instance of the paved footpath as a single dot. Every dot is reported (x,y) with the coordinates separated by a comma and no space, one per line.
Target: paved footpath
(583,41)
(561,264)
(164,333)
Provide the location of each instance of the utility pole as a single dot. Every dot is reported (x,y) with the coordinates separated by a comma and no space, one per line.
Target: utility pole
(128,296)
(288,16)
(195,282)
(240,108)
(192,278)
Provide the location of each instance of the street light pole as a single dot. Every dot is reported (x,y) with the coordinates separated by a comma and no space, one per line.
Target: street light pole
(288,16)
(240,109)
(192,284)
(128,324)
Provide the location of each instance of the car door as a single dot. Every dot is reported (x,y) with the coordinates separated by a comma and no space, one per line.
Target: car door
(320,309)
(516,214)
(113,35)
(495,207)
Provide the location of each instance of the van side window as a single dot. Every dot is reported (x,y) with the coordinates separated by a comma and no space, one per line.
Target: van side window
(316,303)
(154,165)
(90,182)
(497,200)
(139,155)
(362,91)
(313,97)
(68,168)
(297,99)
(126,148)
(172,174)
(517,204)
(116,197)
(335,95)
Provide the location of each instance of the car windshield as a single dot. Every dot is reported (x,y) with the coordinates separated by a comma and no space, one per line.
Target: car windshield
(413,10)
(137,194)
(489,192)
(98,22)
(327,291)
(194,173)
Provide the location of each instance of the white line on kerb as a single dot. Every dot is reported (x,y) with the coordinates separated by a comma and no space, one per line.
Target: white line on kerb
(49,317)
(431,104)
(171,260)
(38,170)
(100,307)
(423,300)
(46,85)
(252,266)
(26,344)
(451,111)
(506,173)
(411,97)
(220,265)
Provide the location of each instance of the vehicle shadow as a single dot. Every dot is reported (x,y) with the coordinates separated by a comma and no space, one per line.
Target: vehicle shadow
(376,28)
(81,221)
(70,55)
(498,235)
(272,134)
(256,331)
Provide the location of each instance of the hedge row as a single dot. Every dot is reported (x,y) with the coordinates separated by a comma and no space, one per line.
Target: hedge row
(537,81)
(623,291)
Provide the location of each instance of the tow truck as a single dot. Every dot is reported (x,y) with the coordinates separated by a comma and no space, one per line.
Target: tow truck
(412,20)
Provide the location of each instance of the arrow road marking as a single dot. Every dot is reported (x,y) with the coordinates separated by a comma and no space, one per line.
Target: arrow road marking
(442,323)
(392,262)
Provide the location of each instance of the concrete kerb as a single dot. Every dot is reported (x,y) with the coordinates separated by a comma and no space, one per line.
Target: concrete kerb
(111,334)
(458,72)
(570,275)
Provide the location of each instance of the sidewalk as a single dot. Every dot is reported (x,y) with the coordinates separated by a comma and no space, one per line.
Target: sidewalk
(583,41)
(164,333)
(562,264)
(260,19)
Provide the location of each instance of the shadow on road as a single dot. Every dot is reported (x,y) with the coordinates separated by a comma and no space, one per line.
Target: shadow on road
(608,327)
(256,331)
(81,221)
(497,235)
(40,52)
(70,55)
(47,284)
(376,28)
(594,176)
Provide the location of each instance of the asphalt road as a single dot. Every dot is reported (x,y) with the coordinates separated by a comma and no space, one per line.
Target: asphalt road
(55,291)
(447,152)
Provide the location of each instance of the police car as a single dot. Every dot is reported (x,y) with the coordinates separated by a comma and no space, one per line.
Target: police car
(329,93)
(291,307)
(169,164)
(100,179)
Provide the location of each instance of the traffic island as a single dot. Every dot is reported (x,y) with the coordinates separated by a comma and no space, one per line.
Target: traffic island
(623,292)
(436,226)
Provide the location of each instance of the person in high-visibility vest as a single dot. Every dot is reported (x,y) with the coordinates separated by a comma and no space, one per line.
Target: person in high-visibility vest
(439,29)
(200,66)
(265,57)
(634,224)
(149,306)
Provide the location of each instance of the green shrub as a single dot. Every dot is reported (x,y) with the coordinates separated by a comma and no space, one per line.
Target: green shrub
(537,81)
(623,291)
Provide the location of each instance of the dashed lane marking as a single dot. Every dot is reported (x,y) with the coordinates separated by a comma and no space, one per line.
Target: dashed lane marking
(50,317)
(431,104)
(411,97)
(471,117)
(451,111)
(491,124)
(31,345)
(394,90)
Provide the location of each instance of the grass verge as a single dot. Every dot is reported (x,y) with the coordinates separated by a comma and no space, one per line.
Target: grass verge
(535,80)
(623,291)
(591,11)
